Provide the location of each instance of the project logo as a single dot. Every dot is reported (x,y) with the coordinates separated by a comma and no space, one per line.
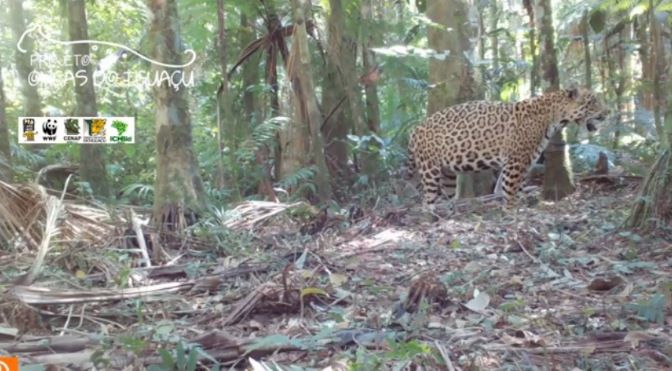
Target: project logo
(95,130)
(9,363)
(59,69)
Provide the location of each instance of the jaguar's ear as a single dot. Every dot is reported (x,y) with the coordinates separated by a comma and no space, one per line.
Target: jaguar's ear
(573,92)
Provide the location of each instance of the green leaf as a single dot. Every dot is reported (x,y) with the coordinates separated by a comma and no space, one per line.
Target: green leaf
(191,361)
(180,353)
(167,359)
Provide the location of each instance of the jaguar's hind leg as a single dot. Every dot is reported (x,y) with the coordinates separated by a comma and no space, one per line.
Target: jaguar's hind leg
(431,178)
(448,183)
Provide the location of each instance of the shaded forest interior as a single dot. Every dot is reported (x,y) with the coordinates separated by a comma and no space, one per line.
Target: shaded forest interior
(262,212)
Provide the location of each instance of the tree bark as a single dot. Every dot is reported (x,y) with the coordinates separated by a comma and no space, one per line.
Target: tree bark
(178,189)
(91,156)
(305,135)
(6,172)
(278,47)
(494,45)
(228,132)
(653,206)
(32,104)
(453,76)
(250,72)
(339,120)
(573,130)
(587,60)
(558,182)
(657,64)
(251,109)
(532,35)
(371,67)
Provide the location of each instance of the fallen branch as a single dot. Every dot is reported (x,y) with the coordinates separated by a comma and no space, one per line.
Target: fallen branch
(250,213)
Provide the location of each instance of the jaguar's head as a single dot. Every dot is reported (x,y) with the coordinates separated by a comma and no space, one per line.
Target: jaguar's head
(585,108)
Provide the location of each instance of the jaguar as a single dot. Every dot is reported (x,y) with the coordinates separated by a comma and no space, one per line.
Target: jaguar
(483,135)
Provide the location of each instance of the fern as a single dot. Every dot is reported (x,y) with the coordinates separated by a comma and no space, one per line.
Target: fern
(263,134)
(144,192)
(300,180)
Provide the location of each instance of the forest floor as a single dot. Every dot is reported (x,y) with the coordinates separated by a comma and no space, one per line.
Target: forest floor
(554,286)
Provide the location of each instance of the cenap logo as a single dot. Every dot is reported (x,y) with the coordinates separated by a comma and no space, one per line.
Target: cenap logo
(9,363)
(72,127)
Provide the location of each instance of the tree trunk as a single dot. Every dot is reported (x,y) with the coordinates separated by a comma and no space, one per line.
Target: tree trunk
(587,61)
(573,130)
(6,172)
(368,160)
(178,189)
(618,78)
(657,64)
(304,134)
(273,24)
(228,127)
(250,73)
(251,109)
(653,206)
(532,35)
(454,76)
(371,68)
(91,156)
(334,101)
(494,46)
(32,104)
(558,182)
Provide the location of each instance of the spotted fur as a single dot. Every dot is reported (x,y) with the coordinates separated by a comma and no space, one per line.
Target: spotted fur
(481,135)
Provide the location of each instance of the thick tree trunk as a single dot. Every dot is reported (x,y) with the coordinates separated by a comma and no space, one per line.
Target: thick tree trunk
(454,76)
(6,172)
(178,189)
(653,206)
(251,108)
(32,104)
(91,156)
(558,182)
(334,100)
(304,132)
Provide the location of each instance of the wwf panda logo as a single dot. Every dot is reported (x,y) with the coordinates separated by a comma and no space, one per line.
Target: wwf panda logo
(49,127)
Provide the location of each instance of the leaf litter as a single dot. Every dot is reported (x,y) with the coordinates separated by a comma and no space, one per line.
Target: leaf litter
(552,286)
